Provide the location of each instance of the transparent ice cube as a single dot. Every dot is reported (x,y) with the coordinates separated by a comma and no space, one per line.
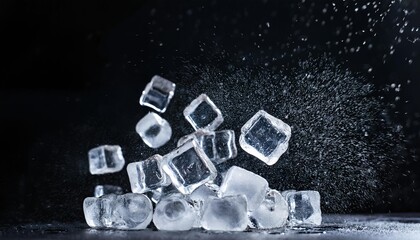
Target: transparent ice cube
(98,211)
(154,130)
(188,167)
(157,94)
(101,190)
(174,212)
(202,113)
(219,146)
(240,181)
(265,137)
(272,212)
(147,175)
(225,214)
(132,211)
(304,208)
(105,159)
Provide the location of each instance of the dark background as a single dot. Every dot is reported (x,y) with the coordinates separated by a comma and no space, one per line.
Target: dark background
(72,73)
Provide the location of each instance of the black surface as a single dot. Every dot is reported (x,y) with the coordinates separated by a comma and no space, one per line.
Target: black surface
(369,227)
(72,73)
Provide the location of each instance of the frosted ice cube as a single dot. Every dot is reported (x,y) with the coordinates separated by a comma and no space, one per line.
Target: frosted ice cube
(101,190)
(304,208)
(158,93)
(132,211)
(147,175)
(175,213)
(105,159)
(272,212)
(241,181)
(202,113)
(225,214)
(219,146)
(265,137)
(188,167)
(154,130)
(98,211)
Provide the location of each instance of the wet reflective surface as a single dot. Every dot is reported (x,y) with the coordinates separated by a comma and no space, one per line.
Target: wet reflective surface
(388,226)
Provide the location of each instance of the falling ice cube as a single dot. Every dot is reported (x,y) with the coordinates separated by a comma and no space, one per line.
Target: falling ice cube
(154,130)
(265,137)
(105,159)
(202,113)
(132,211)
(240,181)
(225,214)
(147,175)
(175,212)
(101,190)
(188,167)
(157,94)
(272,212)
(304,208)
(219,146)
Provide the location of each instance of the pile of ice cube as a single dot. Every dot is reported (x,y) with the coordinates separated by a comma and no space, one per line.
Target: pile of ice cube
(182,182)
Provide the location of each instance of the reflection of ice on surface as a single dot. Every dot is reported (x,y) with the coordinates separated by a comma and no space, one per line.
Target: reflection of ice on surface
(375,227)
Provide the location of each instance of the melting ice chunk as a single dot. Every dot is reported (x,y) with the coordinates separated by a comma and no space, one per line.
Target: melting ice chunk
(175,212)
(265,137)
(241,181)
(128,211)
(202,113)
(225,214)
(272,212)
(188,167)
(157,94)
(101,190)
(147,175)
(105,159)
(219,146)
(154,130)
(304,208)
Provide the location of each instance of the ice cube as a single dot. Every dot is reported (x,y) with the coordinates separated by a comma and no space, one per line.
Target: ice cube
(225,214)
(154,130)
(265,137)
(272,212)
(174,212)
(202,113)
(241,181)
(157,94)
(304,208)
(188,167)
(98,211)
(105,159)
(147,175)
(101,190)
(219,146)
(132,211)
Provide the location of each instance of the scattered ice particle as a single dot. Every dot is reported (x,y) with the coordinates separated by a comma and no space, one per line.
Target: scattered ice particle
(265,137)
(240,181)
(225,214)
(175,213)
(189,167)
(304,208)
(202,113)
(272,212)
(154,130)
(101,190)
(147,175)
(157,94)
(105,159)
